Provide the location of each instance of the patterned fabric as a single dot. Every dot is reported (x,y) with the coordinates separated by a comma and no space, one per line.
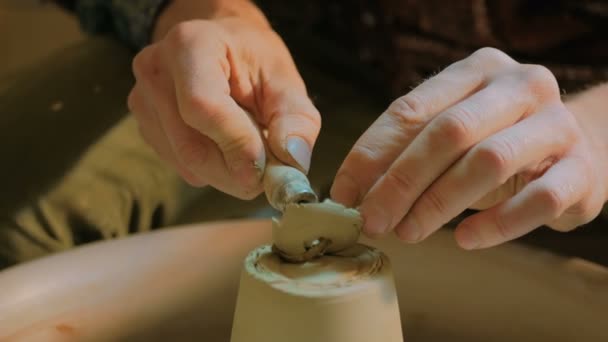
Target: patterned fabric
(402,42)
(132,21)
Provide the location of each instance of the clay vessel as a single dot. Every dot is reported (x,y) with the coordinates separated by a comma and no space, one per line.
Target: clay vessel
(345,297)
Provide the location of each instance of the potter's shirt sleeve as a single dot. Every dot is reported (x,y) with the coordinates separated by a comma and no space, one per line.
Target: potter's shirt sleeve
(131,21)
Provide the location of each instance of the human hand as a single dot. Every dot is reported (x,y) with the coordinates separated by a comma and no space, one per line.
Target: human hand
(203,88)
(486,133)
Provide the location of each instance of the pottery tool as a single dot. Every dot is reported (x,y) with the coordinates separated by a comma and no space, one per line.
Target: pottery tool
(285,185)
(308,229)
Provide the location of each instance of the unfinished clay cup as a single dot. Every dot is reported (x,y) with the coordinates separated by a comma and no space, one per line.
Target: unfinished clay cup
(346,297)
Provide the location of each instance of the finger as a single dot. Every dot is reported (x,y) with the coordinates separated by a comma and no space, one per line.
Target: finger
(540,202)
(199,153)
(293,122)
(193,151)
(486,167)
(201,71)
(445,139)
(280,102)
(152,93)
(147,121)
(396,128)
(152,132)
(592,204)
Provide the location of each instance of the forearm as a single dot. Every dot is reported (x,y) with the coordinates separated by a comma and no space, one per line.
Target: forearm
(183,10)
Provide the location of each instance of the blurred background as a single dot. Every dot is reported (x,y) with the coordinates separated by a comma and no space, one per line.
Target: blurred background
(29,33)
(90,78)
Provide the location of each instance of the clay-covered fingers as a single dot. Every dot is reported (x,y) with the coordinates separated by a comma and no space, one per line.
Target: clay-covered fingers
(486,167)
(564,191)
(397,127)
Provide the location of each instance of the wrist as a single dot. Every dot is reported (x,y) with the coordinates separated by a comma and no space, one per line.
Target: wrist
(590,109)
(183,10)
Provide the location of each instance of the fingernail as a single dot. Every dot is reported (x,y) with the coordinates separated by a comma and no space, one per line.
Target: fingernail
(375,220)
(344,190)
(468,239)
(409,230)
(300,151)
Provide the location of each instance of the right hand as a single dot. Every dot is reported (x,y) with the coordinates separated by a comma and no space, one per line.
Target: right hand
(194,89)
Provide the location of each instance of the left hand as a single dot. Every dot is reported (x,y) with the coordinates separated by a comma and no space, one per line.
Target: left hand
(486,133)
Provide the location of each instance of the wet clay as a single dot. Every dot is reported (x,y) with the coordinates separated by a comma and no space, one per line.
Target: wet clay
(347,296)
(310,230)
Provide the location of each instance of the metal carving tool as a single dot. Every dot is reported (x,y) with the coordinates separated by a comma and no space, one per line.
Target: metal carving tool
(285,185)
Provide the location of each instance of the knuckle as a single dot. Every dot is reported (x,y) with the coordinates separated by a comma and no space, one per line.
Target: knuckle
(190,178)
(181,35)
(366,154)
(138,64)
(434,201)
(490,56)
(240,145)
(201,108)
(495,158)
(540,82)
(313,115)
(584,211)
(453,128)
(566,123)
(185,34)
(563,227)
(407,110)
(501,227)
(142,62)
(551,200)
(248,195)
(400,182)
(296,112)
(133,101)
(189,153)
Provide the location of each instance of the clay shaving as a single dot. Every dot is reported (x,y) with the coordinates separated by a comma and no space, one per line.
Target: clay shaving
(310,230)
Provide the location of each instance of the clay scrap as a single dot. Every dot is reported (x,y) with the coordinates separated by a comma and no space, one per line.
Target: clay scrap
(310,230)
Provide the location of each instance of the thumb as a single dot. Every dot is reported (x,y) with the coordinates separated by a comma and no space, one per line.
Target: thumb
(293,125)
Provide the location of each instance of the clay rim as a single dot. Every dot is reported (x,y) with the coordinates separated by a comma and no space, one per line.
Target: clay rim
(265,265)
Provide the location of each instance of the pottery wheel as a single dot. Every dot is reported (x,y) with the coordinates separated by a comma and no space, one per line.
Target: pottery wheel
(181,284)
